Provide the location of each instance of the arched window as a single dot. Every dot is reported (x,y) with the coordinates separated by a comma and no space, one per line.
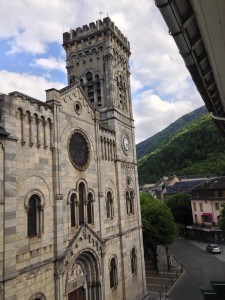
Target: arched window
(89,76)
(128,202)
(120,80)
(121,92)
(90,211)
(98,90)
(131,202)
(109,205)
(81,202)
(38,296)
(90,86)
(113,273)
(34,226)
(73,210)
(133,261)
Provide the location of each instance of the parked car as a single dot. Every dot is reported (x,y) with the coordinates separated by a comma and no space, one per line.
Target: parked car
(213,248)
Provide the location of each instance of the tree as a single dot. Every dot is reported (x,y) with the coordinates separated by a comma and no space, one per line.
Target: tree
(222,220)
(180,205)
(159,227)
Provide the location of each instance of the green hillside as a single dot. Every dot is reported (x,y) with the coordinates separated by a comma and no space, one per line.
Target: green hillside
(163,136)
(197,148)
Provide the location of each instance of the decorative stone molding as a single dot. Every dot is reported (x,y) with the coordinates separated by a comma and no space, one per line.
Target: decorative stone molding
(38,296)
(75,272)
(86,238)
(32,125)
(35,272)
(34,192)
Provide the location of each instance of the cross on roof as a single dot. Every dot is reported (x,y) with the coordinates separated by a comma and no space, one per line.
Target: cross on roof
(100,14)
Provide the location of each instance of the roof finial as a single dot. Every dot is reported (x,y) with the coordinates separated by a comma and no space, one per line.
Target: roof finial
(100,14)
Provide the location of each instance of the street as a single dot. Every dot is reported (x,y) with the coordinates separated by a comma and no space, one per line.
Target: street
(200,268)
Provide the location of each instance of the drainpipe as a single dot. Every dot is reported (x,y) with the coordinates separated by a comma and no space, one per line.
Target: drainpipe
(169,16)
(216,117)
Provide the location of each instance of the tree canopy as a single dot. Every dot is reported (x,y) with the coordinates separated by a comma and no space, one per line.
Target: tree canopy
(183,153)
(159,227)
(180,205)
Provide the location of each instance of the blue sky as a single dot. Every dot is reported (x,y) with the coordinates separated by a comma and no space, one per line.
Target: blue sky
(32,58)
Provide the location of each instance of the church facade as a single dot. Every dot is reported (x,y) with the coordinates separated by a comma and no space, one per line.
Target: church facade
(69,200)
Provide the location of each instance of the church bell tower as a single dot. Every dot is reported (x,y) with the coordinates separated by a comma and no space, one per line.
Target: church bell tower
(98,59)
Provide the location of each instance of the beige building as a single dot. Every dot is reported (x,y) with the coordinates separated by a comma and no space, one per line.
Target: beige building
(207,202)
(69,201)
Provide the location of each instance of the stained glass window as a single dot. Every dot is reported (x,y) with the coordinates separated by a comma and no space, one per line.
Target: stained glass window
(79,151)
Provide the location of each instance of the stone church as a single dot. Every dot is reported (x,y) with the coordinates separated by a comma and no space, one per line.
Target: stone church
(70,225)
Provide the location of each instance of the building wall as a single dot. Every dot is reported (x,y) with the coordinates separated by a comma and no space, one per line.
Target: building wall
(213,206)
(1,213)
(37,161)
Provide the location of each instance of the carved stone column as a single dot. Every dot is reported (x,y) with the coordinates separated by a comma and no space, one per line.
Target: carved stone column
(111,151)
(38,121)
(31,119)
(52,145)
(77,213)
(41,225)
(23,135)
(114,151)
(59,271)
(102,147)
(105,149)
(108,149)
(44,132)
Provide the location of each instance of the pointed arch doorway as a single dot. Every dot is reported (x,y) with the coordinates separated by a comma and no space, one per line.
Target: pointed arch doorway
(83,281)
(78,294)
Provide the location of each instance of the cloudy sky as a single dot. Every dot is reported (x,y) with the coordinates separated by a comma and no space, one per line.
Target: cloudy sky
(32,58)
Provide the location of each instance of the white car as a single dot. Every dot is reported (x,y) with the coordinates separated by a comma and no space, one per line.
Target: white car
(213,248)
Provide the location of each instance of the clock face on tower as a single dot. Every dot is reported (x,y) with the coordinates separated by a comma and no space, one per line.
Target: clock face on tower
(125,144)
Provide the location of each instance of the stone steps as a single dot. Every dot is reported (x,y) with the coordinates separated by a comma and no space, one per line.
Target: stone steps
(160,283)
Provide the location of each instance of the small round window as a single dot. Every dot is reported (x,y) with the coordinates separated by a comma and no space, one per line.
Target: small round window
(77,107)
(79,150)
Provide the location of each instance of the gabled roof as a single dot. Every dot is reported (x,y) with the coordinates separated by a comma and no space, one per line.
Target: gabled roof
(212,184)
(184,186)
(196,177)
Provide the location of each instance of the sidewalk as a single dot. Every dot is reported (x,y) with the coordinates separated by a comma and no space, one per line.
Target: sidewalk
(160,284)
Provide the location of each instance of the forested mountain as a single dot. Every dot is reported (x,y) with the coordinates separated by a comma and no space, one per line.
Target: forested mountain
(163,136)
(196,148)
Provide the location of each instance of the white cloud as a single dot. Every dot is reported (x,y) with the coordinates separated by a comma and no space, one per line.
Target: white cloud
(50,63)
(135,84)
(31,85)
(156,66)
(152,114)
(31,24)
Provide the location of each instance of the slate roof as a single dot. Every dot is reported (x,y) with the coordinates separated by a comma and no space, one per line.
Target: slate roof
(184,186)
(212,184)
